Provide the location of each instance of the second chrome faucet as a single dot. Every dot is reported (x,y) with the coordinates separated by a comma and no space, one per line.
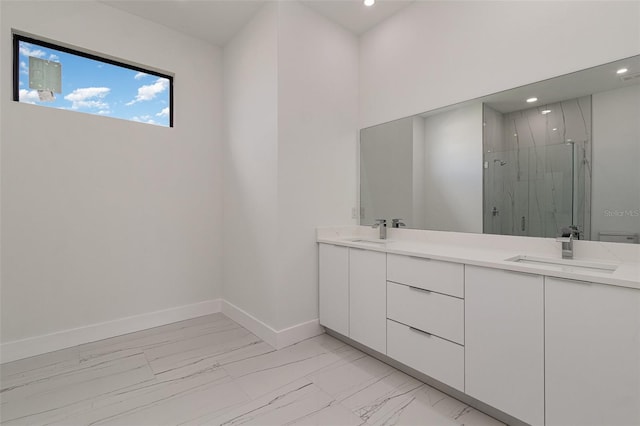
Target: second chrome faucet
(396,223)
(568,235)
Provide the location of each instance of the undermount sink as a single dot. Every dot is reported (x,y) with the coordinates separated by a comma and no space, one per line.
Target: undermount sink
(566,264)
(369,241)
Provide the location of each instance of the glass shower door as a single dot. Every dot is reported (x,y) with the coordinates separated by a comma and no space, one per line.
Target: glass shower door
(551,189)
(532,191)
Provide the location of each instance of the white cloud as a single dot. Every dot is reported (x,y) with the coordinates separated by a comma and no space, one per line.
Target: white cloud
(144,119)
(28,96)
(24,68)
(89,97)
(140,75)
(104,112)
(150,91)
(25,49)
(163,113)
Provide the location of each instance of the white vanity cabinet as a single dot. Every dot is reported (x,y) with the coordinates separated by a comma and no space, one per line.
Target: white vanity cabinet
(334,287)
(592,344)
(504,341)
(353,294)
(368,298)
(547,351)
(425,311)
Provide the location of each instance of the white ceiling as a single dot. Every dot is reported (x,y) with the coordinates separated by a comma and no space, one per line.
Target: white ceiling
(353,14)
(213,21)
(217,21)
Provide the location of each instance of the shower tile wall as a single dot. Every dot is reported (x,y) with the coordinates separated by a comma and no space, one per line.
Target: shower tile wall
(537,169)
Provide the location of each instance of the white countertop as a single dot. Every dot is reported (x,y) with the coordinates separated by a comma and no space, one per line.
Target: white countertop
(626,274)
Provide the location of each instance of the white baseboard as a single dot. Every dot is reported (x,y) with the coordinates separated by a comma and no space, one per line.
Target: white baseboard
(277,339)
(298,332)
(32,346)
(251,323)
(24,348)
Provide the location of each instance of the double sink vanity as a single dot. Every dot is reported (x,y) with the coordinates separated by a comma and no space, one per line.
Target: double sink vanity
(508,323)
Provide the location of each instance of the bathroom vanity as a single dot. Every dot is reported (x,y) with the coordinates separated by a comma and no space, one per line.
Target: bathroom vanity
(546,342)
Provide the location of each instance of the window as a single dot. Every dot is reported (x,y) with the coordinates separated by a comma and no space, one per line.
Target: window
(60,77)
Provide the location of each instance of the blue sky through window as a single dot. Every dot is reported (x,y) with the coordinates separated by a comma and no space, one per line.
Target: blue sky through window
(97,87)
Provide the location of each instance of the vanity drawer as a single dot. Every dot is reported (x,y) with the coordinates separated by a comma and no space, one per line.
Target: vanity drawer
(431,355)
(432,312)
(429,274)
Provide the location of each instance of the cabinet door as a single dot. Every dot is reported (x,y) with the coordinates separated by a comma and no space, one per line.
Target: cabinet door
(504,341)
(368,298)
(334,287)
(592,341)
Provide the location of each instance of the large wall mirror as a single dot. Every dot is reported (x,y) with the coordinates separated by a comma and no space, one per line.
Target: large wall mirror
(527,161)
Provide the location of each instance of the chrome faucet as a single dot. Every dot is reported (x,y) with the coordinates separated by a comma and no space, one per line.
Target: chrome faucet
(567,237)
(382,223)
(395,223)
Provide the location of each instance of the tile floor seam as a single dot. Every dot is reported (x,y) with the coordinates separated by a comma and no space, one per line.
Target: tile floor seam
(146,358)
(335,401)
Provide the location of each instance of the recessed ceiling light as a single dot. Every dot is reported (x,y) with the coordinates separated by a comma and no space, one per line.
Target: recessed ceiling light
(622,71)
(515,134)
(545,111)
(369,2)
(554,129)
(532,100)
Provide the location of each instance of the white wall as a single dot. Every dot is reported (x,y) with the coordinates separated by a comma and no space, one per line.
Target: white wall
(251,167)
(616,156)
(317,126)
(433,54)
(291,106)
(453,170)
(105,218)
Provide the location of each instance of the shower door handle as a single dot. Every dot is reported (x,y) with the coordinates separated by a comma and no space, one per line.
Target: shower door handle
(523,223)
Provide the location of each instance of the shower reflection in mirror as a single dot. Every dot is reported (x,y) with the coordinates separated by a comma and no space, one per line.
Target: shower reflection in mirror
(537,169)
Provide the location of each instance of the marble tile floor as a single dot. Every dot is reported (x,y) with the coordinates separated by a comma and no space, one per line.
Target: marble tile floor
(211,371)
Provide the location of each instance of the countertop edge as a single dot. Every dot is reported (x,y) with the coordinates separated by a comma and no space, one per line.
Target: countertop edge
(497,261)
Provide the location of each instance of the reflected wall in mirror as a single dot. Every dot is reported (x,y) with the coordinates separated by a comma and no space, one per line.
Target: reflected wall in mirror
(500,165)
